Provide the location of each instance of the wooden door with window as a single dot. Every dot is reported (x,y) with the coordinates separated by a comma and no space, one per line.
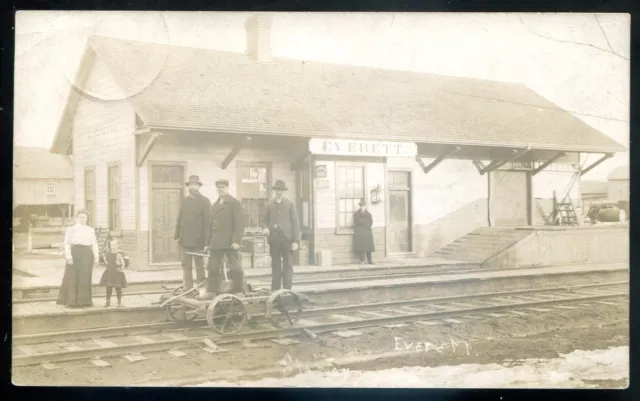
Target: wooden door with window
(399,228)
(167,184)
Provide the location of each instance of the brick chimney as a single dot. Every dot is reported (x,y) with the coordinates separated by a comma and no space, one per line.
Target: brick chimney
(259,37)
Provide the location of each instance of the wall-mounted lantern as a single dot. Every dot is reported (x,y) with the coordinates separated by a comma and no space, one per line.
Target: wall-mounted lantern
(376,194)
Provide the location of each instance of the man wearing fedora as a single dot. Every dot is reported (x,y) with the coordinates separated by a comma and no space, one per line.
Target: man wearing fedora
(224,235)
(190,231)
(281,221)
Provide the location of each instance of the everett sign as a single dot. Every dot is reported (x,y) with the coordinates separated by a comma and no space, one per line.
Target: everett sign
(346,147)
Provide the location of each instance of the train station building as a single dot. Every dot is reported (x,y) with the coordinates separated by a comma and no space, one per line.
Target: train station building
(435,157)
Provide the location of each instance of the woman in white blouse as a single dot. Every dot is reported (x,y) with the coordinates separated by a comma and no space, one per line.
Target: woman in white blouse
(81,254)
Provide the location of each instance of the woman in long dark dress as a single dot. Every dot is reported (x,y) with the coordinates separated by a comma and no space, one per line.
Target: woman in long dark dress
(81,254)
(363,235)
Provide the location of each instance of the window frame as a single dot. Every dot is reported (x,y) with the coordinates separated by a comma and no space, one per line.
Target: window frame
(338,165)
(117,229)
(92,221)
(253,164)
(51,183)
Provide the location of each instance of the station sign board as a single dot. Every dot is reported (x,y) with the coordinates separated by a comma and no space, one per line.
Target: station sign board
(352,147)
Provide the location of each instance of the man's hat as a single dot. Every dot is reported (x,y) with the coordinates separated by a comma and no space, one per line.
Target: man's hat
(194,179)
(279,185)
(222,183)
(362,203)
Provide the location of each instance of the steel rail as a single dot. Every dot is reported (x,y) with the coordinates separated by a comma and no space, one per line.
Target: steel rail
(63,356)
(104,332)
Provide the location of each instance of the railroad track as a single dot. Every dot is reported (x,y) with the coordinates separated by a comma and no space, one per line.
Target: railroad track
(158,337)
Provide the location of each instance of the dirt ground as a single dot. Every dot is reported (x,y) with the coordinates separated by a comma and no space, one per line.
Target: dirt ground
(487,340)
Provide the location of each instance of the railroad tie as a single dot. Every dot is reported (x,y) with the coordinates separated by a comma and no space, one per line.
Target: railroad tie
(345,318)
(375,314)
(101,363)
(175,336)
(143,339)
(346,333)
(177,353)
(493,314)
(104,343)
(429,322)
(539,309)
(307,322)
(412,309)
(285,341)
(27,350)
(136,357)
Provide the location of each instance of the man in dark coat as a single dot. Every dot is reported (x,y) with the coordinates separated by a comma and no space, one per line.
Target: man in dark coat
(224,235)
(363,235)
(190,231)
(281,221)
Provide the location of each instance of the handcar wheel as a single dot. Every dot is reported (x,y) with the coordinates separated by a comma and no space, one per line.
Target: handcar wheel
(284,308)
(178,313)
(226,314)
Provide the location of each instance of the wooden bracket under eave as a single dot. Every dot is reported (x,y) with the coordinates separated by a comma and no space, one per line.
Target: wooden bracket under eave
(497,164)
(148,147)
(596,163)
(479,166)
(298,161)
(231,156)
(547,163)
(438,160)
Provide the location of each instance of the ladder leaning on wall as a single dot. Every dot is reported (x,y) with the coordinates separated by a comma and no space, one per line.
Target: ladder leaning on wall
(564,212)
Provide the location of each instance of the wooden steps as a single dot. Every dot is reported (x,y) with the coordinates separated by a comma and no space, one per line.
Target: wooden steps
(481,244)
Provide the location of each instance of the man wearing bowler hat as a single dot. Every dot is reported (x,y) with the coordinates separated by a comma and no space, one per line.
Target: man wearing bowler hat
(224,235)
(281,221)
(190,231)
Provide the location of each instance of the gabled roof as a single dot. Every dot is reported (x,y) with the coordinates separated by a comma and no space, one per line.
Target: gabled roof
(619,173)
(206,90)
(32,162)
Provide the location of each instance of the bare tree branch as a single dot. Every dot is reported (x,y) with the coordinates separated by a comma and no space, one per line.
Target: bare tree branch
(572,42)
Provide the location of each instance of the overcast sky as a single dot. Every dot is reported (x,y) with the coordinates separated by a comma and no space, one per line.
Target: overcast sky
(578,61)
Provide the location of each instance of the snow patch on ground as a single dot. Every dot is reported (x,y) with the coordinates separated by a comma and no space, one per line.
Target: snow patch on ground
(567,371)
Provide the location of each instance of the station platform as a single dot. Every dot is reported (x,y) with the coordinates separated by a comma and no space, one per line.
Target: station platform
(39,274)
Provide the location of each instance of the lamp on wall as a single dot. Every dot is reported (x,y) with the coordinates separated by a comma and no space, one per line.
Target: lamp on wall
(376,196)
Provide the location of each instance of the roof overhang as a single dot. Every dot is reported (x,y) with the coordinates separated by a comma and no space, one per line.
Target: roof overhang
(469,150)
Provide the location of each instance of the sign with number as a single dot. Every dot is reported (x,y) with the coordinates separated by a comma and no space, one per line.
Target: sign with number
(321,171)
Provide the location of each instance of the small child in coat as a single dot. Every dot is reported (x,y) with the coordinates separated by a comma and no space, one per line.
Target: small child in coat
(113,276)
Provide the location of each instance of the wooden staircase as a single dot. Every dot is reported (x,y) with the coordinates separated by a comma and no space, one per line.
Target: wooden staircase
(481,244)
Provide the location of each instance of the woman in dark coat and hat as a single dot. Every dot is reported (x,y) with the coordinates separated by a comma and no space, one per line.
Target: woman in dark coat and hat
(363,235)
(81,253)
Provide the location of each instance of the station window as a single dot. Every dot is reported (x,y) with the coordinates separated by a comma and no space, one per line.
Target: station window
(253,191)
(114,197)
(350,188)
(90,194)
(51,187)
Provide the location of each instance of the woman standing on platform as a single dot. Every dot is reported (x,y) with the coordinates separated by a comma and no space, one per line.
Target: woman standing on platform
(81,253)
(363,235)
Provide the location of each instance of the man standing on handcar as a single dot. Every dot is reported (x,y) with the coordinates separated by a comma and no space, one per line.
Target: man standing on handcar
(224,236)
